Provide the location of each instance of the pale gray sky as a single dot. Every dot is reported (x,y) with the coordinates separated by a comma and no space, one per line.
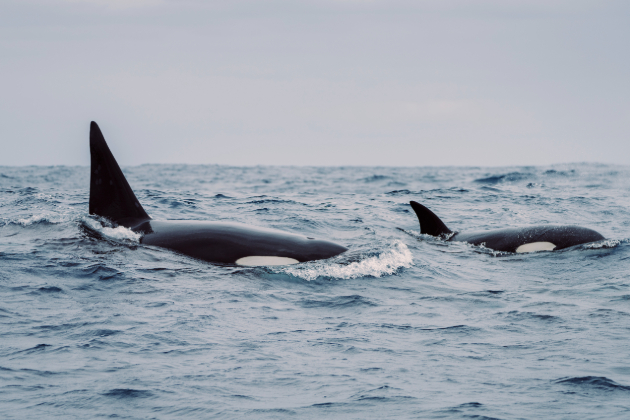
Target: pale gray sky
(316,82)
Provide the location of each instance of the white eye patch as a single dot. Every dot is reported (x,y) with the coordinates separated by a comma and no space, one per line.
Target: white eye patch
(256,261)
(535,246)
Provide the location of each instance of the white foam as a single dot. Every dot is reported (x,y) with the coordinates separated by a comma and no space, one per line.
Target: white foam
(608,243)
(119,233)
(387,263)
(35,219)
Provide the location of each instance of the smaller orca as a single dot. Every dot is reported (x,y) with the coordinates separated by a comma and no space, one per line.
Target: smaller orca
(217,242)
(528,239)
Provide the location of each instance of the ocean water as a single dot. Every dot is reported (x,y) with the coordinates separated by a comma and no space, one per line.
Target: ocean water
(95,325)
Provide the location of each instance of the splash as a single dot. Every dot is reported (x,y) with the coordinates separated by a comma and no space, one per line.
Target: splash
(119,233)
(605,244)
(38,219)
(386,263)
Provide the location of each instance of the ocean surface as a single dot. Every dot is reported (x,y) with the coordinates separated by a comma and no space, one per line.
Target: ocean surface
(95,325)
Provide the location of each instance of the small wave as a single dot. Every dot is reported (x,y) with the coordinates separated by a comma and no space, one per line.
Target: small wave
(102,272)
(36,219)
(555,172)
(101,333)
(50,289)
(399,192)
(525,316)
(338,302)
(375,178)
(600,382)
(119,233)
(473,404)
(383,394)
(177,203)
(37,348)
(127,393)
(495,179)
(387,263)
(271,201)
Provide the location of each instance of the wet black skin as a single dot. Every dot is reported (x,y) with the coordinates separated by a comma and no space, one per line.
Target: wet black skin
(510,239)
(217,242)
(222,242)
(507,240)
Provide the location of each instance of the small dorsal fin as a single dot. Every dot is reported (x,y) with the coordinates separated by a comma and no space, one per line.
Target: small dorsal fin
(110,193)
(430,224)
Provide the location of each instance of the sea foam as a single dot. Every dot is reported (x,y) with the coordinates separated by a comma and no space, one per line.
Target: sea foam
(388,262)
(119,233)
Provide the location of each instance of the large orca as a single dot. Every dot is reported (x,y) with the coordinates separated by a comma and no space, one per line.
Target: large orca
(217,242)
(527,239)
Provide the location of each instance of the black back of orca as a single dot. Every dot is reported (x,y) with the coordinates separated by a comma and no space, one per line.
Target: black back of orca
(230,243)
(218,242)
(527,239)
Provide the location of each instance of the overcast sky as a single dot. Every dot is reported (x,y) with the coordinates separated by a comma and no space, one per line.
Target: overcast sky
(316,82)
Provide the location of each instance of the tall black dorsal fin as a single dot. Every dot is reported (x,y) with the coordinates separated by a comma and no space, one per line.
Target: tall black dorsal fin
(430,224)
(110,193)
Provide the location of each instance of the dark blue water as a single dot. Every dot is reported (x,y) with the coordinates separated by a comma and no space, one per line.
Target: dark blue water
(93,324)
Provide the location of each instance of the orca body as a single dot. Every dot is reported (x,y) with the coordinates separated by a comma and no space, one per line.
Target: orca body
(217,242)
(529,239)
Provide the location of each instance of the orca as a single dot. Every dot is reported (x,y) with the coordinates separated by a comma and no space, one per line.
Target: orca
(111,197)
(517,240)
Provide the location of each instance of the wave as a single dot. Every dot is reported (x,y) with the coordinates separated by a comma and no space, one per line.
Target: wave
(375,178)
(50,289)
(124,393)
(400,192)
(554,172)
(386,263)
(37,219)
(495,179)
(338,302)
(600,382)
(272,201)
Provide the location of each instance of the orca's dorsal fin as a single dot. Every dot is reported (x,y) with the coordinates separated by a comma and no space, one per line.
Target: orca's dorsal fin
(110,193)
(430,224)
